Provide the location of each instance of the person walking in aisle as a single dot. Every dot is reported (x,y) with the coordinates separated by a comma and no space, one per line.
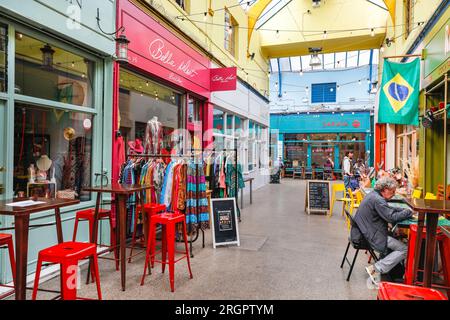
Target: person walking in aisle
(347,169)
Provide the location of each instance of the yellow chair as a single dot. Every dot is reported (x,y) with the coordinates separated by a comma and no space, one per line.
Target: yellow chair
(354,204)
(417,194)
(430,196)
(335,188)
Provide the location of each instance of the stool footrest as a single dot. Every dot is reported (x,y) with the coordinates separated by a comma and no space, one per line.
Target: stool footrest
(167,262)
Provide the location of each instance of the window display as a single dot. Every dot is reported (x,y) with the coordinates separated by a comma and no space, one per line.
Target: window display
(48,72)
(149,114)
(52,152)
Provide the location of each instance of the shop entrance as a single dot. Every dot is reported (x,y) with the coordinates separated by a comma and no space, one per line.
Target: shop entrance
(320,153)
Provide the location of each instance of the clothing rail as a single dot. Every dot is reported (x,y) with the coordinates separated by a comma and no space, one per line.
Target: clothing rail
(181,156)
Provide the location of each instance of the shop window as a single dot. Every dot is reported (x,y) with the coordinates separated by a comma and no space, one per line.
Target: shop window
(3,57)
(354,142)
(230,120)
(218,121)
(323,92)
(251,146)
(140,100)
(406,143)
(48,72)
(237,127)
(58,145)
(408,11)
(231,32)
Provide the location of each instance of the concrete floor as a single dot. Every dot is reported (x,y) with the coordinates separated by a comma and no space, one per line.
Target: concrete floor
(284,254)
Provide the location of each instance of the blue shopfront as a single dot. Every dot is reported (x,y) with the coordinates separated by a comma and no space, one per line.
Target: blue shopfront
(309,139)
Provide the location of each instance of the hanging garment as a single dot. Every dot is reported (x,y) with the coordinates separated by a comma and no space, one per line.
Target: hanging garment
(166,193)
(153,136)
(196,201)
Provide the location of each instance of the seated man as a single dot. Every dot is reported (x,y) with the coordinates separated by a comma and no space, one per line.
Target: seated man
(372,218)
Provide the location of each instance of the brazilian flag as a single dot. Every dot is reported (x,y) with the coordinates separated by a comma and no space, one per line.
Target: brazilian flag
(399,96)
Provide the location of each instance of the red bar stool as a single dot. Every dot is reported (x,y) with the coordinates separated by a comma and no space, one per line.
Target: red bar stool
(398,291)
(444,250)
(150,209)
(6,240)
(89,215)
(168,222)
(67,255)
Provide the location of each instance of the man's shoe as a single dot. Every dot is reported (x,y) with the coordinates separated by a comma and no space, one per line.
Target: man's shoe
(374,275)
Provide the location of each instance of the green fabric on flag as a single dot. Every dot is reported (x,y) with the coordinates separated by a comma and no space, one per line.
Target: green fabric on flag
(399,93)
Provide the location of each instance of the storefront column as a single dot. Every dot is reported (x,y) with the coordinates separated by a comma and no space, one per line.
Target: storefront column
(208,125)
(309,157)
(390,146)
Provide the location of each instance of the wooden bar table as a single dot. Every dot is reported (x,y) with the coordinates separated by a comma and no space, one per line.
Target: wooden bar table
(21,228)
(429,211)
(121,193)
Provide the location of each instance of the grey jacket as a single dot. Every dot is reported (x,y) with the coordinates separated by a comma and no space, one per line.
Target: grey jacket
(372,218)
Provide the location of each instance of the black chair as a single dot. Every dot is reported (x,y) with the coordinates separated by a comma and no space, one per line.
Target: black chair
(364,245)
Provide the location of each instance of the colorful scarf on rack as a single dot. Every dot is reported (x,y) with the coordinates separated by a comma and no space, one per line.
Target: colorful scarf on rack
(196,194)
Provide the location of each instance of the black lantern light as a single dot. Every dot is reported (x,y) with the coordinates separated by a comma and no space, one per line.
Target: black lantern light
(121,42)
(122,49)
(428,119)
(47,56)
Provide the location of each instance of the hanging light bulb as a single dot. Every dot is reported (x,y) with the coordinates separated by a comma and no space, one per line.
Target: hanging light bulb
(268,74)
(372,32)
(301,72)
(205,16)
(359,81)
(307,89)
(382,49)
(146,83)
(230,30)
(325,34)
(73,64)
(338,87)
(277,34)
(368,81)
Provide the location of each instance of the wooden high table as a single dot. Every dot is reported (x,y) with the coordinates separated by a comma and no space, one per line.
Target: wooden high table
(121,192)
(21,227)
(429,211)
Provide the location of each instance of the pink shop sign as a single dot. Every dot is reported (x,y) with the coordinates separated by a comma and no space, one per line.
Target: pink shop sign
(158,51)
(223,79)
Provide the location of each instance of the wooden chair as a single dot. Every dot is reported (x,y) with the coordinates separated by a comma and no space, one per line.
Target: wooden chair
(440,192)
(335,188)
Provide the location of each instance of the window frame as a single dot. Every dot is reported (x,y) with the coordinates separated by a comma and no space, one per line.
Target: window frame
(231,40)
(323,86)
(95,110)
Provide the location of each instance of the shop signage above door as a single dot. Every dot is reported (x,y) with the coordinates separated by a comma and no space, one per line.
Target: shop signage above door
(223,79)
(156,50)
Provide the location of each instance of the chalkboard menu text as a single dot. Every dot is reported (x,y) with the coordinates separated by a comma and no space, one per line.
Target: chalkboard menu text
(317,196)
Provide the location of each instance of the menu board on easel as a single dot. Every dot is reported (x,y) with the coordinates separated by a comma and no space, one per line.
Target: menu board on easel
(224,221)
(317,196)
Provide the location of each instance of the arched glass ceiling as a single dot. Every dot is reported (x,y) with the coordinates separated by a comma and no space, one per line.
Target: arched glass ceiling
(338,60)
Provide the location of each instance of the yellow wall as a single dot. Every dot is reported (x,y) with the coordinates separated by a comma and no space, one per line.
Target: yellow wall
(210,36)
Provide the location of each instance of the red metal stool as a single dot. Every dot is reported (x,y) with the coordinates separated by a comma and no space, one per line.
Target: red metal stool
(6,240)
(88,215)
(398,291)
(150,209)
(168,222)
(67,254)
(444,249)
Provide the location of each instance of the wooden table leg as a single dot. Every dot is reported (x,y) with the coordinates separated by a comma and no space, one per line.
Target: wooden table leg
(59,225)
(22,223)
(432,223)
(420,224)
(122,222)
(145,222)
